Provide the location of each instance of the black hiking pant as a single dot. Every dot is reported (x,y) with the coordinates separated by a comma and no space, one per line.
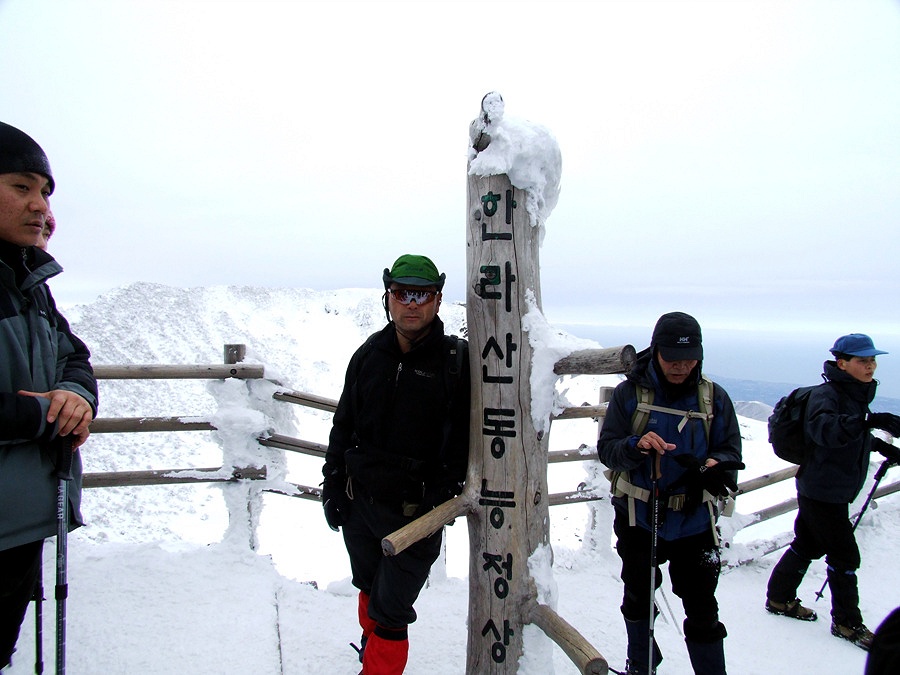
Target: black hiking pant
(393,582)
(694,566)
(821,529)
(19,567)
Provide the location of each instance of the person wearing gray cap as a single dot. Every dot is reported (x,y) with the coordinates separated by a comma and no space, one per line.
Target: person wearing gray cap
(672,444)
(838,424)
(47,385)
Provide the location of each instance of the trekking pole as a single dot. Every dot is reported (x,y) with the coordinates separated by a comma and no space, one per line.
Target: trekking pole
(885,465)
(64,474)
(665,598)
(654,532)
(39,618)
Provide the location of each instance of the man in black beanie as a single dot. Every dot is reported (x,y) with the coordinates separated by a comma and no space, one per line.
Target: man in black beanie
(672,443)
(47,385)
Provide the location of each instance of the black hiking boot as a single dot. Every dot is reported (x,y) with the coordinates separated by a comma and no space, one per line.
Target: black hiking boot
(792,609)
(858,635)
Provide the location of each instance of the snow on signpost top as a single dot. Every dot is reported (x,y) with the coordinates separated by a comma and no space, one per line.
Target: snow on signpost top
(529,154)
(526,152)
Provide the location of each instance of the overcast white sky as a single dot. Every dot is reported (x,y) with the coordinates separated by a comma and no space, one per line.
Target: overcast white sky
(737,160)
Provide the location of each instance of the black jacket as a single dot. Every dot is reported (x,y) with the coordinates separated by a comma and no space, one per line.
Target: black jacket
(835,423)
(393,416)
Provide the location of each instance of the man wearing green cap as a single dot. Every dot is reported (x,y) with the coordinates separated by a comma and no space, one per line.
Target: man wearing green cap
(838,424)
(398,447)
(47,385)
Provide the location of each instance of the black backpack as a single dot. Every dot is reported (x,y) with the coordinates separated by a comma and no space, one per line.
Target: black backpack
(787,425)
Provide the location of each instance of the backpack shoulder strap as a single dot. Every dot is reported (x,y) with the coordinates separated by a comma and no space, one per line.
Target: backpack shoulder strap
(455,348)
(705,392)
(645,405)
(641,414)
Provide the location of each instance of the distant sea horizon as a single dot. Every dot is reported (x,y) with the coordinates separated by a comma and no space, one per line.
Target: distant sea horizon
(761,366)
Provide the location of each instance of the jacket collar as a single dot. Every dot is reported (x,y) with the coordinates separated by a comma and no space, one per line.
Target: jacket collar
(863,392)
(26,267)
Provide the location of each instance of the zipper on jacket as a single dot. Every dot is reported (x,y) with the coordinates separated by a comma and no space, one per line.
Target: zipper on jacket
(396,383)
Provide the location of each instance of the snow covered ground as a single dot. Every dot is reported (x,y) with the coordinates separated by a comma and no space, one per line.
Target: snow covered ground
(159,584)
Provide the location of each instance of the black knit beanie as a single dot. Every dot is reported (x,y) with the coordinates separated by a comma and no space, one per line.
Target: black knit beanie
(19,153)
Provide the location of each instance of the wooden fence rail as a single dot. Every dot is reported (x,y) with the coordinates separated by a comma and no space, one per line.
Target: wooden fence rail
(170,476)
(766,479)
(789,505)
(232,368)
(120,425)
(583,362)
(242,371)
(308,400)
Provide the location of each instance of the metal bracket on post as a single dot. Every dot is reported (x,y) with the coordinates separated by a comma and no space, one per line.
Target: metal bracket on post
(235,353)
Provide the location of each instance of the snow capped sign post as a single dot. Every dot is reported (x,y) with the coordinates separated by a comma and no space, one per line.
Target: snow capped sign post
(513,185)
(514,170)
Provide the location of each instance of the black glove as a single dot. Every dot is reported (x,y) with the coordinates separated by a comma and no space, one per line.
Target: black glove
(698,477)
(889,451)
(885,421)
(334,497)
(717,479)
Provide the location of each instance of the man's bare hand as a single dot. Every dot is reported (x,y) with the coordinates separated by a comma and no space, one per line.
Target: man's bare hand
(69,410)
(653,442)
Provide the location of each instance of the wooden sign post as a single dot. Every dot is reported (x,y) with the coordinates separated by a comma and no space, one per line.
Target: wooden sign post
(505,498)
(510,458)
(509,523)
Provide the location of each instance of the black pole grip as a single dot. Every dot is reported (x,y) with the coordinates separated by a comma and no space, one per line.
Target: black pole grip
(64,457)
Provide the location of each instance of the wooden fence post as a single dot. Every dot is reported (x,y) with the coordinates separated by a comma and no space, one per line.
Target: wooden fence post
(598,532)
(243,498)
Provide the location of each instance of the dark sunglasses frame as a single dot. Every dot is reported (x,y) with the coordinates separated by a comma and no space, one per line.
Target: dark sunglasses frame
(406,295)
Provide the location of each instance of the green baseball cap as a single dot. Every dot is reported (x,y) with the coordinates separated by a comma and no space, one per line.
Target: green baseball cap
(413,270)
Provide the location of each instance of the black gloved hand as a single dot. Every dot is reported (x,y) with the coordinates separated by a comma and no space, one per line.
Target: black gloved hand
(691,480)
(698,477)
(887,450)
(334,497)
(885,421)
(717,479)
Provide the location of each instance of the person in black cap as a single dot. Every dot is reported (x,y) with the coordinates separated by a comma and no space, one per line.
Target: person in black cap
(838,422)
(668,427)
(397,448)
(47,385)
